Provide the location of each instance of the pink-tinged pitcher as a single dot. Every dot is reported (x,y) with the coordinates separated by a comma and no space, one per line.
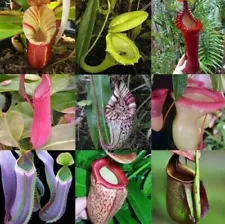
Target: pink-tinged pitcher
(41,126)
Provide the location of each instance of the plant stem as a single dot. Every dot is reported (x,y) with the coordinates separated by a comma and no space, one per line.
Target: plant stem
(103,26)
(197,187)
(164,121)
(197,198)
(108,61)
(130,5)
(139,170)
(147,100)
(64,59)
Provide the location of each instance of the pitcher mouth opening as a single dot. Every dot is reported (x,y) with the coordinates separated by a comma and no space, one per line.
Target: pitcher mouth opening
(97,167)
(177,171)
(39,25)
(201,99)
(186,22)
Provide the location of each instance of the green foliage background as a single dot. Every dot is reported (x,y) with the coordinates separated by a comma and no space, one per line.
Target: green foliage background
(137,207)
(167,42)
(212,173)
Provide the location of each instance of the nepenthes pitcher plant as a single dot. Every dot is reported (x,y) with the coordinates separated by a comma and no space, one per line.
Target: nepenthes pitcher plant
(119,115)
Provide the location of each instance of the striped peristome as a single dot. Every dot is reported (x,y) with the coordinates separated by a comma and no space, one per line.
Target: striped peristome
(39,27)
(119,114)
(121,105)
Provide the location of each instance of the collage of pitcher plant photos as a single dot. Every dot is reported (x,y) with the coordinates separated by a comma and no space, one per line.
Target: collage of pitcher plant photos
(112,111)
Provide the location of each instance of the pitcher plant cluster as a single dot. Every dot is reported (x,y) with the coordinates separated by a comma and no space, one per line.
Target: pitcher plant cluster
(23,189)
(106,188)
(196,101)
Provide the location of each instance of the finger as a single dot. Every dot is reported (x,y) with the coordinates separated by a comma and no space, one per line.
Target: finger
(80,205)
(83,215)
(181,60)
(182,67)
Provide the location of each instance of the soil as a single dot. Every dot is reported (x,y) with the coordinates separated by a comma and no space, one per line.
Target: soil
(61,62)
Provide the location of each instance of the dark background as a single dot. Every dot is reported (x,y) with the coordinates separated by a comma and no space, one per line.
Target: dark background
(69,215)
(164,139)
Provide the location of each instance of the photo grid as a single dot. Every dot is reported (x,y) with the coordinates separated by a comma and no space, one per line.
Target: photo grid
(112,112)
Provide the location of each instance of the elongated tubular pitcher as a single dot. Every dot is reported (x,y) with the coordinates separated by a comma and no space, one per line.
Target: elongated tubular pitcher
(190,28)
(108,191)
(157,101)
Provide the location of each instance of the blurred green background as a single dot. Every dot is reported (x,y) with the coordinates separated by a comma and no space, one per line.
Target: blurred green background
(212,173)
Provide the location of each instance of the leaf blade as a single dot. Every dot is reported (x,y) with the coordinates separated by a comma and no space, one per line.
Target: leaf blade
(179,85)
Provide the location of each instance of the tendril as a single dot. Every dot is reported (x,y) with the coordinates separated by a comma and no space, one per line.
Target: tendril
(120,49)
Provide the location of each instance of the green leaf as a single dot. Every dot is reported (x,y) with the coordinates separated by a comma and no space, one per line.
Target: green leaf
(63,100)
(140,204)
(11,128)
(53,5)
(127,21)
(111,221)
(84,103)
(136,31)
(179,85)
(9,30)
(148,185)
(25,144)
(81,186)
(217,82)
(62,138)
(58,13)
(13,86)
(10,23)
(26,111)
(23,3)
(56,6)
(86,156)
(2,101)
(85,29)
(7,77)
(124,217)
(59,82)
(81,222)
(11,17)
(24,108)
(146,35)
(103,92)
